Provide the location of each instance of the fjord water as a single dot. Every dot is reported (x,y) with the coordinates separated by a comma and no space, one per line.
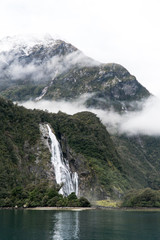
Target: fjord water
(79,225)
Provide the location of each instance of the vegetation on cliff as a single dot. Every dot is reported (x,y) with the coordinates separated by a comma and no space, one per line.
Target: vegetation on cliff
(142,198)
(140,159)
(66,73)
(106,166)
(87,136)
(25,160)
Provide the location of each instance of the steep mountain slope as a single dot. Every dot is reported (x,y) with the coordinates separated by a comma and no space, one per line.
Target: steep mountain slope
(24,62)
(140,158)
(19,132)
(53,69)
(25,157)
(111,84)
(106,166)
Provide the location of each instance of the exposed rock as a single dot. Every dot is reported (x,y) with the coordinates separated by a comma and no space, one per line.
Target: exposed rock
(61,71)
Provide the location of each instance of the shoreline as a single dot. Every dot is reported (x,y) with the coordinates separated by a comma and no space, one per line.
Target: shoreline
(145,209)
(49,208)
(61,208)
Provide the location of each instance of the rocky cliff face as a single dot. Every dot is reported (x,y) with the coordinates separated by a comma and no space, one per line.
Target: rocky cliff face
(87,179)
(106,165)
(85,143)
(24,158)
(54,69)
(111,86)
(30,63)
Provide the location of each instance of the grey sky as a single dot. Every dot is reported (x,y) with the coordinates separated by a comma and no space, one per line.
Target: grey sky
(121,31)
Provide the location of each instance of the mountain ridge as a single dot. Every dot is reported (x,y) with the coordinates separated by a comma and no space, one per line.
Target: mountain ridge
(107,164)
(61,71)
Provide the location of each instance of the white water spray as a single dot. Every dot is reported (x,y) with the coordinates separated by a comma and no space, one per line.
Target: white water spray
(63,173)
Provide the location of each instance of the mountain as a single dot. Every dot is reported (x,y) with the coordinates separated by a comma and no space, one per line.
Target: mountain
(107,164)
(54,69)
(85,144)
(24,61)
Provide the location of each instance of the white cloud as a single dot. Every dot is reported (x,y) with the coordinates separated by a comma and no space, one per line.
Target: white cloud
(145,121)
(18,71)
(126,32)
(56,106)
(46,70)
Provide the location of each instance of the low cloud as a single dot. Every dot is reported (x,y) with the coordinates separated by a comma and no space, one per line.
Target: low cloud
(145,121)
(56,106)
(18,63)
(18,71)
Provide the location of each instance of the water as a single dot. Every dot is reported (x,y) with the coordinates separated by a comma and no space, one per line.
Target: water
(75,182)
(79,225)
(61,167)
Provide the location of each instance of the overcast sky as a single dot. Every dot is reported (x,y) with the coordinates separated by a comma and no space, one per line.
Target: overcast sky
(122,31)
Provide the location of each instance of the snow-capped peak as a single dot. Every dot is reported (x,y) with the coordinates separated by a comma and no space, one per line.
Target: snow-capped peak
(25,42)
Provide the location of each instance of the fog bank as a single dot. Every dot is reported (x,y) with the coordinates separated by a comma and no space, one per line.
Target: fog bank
(145,121)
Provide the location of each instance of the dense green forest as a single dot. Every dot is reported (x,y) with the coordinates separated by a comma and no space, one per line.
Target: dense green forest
(142,198)
(40,195)
(26,161)
(107,166)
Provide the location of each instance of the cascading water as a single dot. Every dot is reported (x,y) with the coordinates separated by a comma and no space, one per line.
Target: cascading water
(75,182)
(63,173)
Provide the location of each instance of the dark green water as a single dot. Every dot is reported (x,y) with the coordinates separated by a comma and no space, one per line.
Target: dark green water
(83,225)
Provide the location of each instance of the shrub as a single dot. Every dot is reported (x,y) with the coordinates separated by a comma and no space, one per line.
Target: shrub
(84,202)
(142,198)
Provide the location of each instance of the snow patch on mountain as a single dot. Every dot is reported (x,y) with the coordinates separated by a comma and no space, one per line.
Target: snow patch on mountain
(38,59)
(25,41)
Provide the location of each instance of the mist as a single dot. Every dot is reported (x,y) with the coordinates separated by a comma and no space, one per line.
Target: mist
(18,60)
(145,121)
(42,71)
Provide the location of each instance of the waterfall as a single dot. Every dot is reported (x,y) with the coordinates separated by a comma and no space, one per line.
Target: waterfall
(75,182)
(63,173)
(44,91)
